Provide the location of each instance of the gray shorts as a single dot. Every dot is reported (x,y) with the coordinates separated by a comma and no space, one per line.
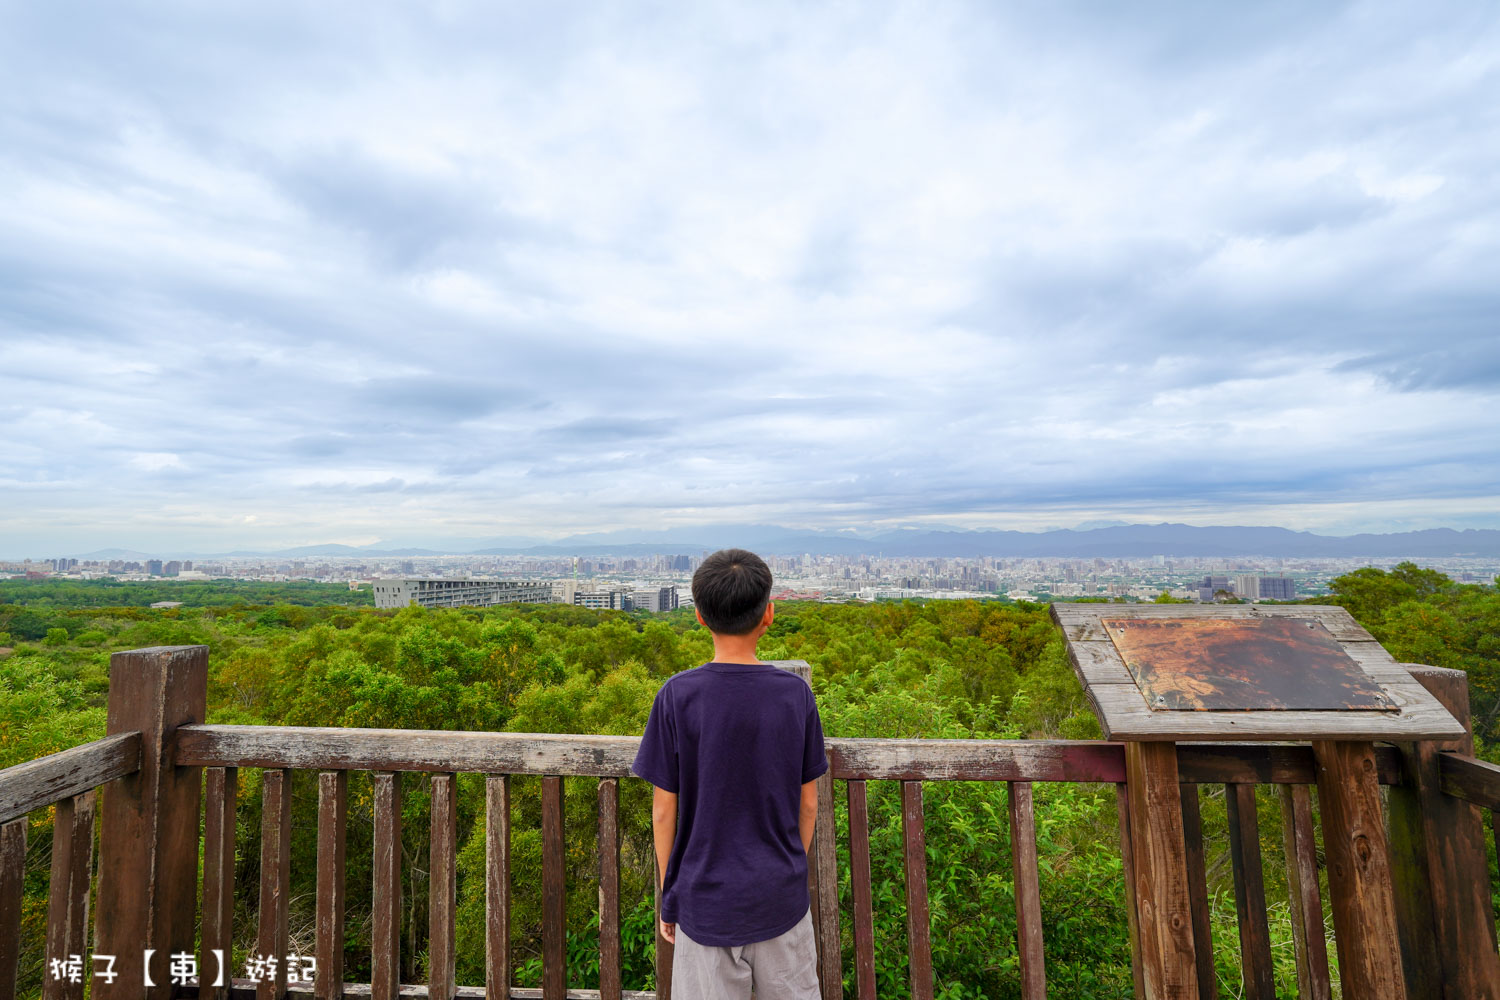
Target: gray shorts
(784,967)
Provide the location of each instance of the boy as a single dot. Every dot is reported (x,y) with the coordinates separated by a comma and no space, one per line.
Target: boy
(734,748)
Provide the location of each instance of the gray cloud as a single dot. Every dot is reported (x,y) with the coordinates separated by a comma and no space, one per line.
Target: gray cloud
(268,272)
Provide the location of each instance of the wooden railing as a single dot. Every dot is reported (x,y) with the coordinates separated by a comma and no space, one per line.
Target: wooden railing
(160,763)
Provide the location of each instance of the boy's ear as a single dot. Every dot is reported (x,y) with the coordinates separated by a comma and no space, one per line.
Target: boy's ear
(769,616)
(699,615)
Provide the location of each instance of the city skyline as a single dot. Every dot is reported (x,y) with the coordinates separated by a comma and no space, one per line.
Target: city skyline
(283,276)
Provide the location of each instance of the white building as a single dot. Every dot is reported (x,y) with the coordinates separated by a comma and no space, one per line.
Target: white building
(458,593)
(654,599)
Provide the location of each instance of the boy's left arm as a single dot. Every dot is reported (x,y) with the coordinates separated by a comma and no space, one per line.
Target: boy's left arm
(664,831)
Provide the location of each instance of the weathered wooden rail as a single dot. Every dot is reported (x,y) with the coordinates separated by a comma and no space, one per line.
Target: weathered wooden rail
(163,769)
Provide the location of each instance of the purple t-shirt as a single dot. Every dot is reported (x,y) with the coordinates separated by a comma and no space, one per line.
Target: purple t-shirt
(735,742)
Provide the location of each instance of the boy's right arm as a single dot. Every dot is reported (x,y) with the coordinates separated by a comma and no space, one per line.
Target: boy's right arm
(664,831)
(808,818)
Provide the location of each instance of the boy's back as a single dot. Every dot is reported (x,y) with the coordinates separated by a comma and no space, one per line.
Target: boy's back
(733,748)
(735,742)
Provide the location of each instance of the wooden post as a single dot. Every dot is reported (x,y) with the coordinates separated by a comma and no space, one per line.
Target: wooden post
(1302,887)
(1127,863)
(1164,909)
(68,900)
(1359,873)
(554,908)
(918,922)
(608,850)
(385,942)
(333,821)
(1439,867)
(663,946)
(442,904)
(497,886)
(12,888)
(826,904)
(1197,873)
(219,809)
(1250,892)
(271,936)
(859,878)
(148,856)
(1028,891)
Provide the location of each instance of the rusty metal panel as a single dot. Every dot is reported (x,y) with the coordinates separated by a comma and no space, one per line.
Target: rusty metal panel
(1205,664)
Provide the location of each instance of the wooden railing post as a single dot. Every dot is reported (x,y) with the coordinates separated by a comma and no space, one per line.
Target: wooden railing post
(1163,905)
(822,872)
(148,857)
(1439,867)
(1359,870)
(1197,873)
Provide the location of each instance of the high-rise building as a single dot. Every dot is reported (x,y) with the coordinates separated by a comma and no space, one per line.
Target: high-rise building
(458,593)
(1265,588)
(153,566)
(655,599)
(1278,588)
(617,599)
(1210,586)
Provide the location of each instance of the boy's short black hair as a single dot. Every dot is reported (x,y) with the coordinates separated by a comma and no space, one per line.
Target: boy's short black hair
(731,589)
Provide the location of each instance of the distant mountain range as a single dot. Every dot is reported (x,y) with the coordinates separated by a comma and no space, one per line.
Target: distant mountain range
(1115,540)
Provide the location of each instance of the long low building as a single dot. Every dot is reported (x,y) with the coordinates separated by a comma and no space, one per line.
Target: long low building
(459,593)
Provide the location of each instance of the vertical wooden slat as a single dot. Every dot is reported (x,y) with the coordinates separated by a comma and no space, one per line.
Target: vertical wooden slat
(221,785)
(1359,875)
(148,822)
(830,955)
(1127,862)
(859,878)
(68,899)
(1495,829)
(442,899)
(1302,886)
(1438,863)
(663,946)
(813,877)
(12,889)
(497,886)
(1028,891)
(1416,921)
(1168,957)
(918,923)
(1250,893)
(385,943)
(1197,875)
(333,820)
(554,910)
(275,878)
(610,980)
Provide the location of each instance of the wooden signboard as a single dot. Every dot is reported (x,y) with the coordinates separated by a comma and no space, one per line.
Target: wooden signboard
(1243,672)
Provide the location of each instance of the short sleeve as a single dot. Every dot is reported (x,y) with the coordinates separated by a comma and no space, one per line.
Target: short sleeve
(656,760)
(814,761)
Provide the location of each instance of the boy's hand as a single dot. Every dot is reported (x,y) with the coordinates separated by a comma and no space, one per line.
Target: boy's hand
(669,932)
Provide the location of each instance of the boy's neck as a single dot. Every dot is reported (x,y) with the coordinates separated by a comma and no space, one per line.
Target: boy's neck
(735,648)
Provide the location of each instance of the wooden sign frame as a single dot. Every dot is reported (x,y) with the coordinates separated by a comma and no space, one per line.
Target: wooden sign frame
(1125,715)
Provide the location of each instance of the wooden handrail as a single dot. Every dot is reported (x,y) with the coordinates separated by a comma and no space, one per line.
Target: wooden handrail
(55,777)
(1476,781)
(850,759)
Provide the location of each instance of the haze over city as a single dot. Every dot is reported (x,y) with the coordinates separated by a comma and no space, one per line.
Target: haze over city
(282,275)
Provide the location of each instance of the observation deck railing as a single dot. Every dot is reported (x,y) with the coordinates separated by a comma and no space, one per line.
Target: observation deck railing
(164,772)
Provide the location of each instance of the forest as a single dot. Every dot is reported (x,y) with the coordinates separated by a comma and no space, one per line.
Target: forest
(954,669)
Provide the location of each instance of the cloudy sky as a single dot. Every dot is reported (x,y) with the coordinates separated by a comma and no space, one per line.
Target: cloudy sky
(275,274)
